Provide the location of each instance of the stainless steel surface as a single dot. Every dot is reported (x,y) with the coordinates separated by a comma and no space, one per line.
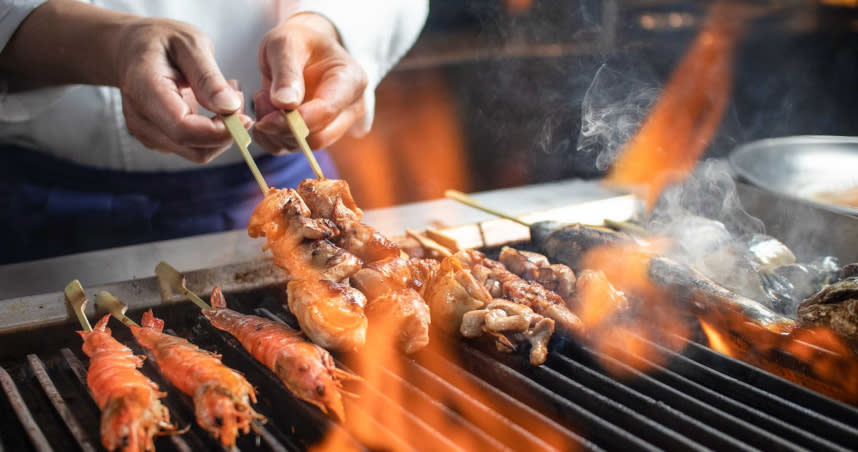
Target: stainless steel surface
(800,167)
(231,260)
(809,230)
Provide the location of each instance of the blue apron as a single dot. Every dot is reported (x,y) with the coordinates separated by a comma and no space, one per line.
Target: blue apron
(50,206)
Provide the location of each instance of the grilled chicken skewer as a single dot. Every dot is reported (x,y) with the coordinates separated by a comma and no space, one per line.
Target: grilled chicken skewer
(393,297)
(130,403)
(330,312)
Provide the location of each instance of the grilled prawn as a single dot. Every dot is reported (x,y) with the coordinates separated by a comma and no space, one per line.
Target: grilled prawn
(305,368)
(222,396)
(131,410)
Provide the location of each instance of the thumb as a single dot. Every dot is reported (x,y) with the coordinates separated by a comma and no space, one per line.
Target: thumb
(197,64)
(287,80)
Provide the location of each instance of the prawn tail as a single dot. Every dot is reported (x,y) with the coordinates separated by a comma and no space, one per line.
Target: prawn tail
(217,300)
(150,321)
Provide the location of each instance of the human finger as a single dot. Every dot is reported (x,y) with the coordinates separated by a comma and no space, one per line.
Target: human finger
(193,55)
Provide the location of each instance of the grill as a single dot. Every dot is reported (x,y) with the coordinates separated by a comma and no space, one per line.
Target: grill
(696,399)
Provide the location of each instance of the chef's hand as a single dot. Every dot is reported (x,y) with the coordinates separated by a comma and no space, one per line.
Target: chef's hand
(165,70)
(304,66)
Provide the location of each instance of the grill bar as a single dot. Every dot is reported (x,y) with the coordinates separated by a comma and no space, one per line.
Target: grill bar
(844,416)
(648,406)
(37,438)
(59,404)
(706,411)
(785,414)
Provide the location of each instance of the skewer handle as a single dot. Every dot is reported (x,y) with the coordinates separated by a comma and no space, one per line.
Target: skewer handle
(116,308)
(76,297)
(171,281)
(242,139)
(428,243)
(301,131)
(469,201)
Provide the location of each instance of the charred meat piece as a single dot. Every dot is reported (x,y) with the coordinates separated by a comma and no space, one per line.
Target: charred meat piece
(531,266)
(510,322)
(368,244)
(835,306)
(422,271)
(331,199)
(594,285)
(318,259)
(492,273)
(282,214)
(330,314)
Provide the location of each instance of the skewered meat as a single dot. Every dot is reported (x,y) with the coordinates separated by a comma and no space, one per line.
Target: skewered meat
(392,302)
(131,410)
(330,314)
(331,199)
(283,214)
(304,368)
(422,271)
(367,243)
(452,292)
(222,397)
(531,266)
(319,259)
(404,312)
(594,287)
(835,306)
(504,320)
(492,273)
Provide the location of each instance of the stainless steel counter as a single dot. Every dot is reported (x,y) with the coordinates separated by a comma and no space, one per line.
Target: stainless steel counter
(234,247)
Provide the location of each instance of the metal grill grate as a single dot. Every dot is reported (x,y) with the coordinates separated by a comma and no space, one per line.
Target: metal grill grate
(696,400)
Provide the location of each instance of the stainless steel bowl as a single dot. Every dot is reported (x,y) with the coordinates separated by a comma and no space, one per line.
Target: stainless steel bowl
(800,166)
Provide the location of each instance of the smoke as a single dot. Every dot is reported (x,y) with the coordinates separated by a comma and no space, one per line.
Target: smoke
(613,108)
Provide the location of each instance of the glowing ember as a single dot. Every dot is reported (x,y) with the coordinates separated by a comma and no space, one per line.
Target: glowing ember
(686,116)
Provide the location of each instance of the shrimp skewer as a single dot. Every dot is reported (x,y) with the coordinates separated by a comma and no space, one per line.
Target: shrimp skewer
(222,397)
(304,368)
(131,410)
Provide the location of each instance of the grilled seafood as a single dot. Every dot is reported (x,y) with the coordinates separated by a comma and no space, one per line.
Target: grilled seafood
(452,292)
(222,397)
(535,267)
(504,284)
(391,297)
(131,412)
(504,320)
(304,368)
(330,314)
(283,214)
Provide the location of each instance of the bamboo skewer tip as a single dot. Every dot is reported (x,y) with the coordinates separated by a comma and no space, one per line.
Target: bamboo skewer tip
(242,139)
(76,298)
(300,131)
(116,308)
(171,281)
(428,243)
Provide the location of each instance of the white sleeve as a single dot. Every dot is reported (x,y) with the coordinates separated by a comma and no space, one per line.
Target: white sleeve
(12,13)
(377,33)
(21,106)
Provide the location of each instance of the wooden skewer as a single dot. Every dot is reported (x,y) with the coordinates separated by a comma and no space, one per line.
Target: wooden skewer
(428,243)
(300,131)
(242,139)
(116,308)
(76,298)
(469,201)
(172,281)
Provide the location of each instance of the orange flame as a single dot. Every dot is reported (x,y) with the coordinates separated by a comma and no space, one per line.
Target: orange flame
(392,380)
(686,116)
(716,342)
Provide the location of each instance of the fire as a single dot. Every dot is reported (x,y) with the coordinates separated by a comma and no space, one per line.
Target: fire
(716,342)
(393,380)
(686,116)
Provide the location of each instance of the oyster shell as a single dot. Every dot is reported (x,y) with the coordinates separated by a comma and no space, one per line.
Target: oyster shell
(835,306)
